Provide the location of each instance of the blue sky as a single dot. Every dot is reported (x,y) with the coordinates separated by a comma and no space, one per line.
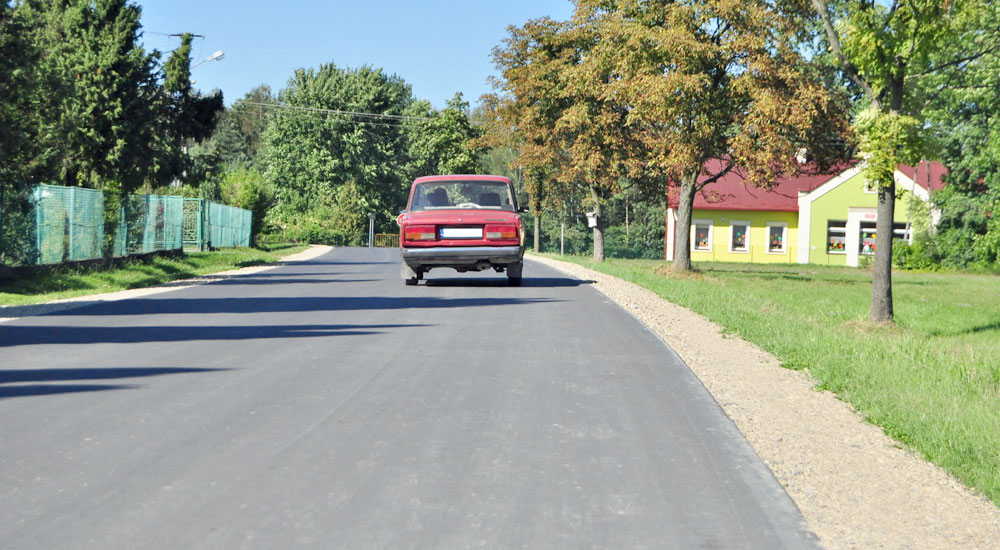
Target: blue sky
(439,47)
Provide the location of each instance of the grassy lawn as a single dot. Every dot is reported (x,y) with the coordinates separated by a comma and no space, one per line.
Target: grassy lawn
(932,381)
(69,282)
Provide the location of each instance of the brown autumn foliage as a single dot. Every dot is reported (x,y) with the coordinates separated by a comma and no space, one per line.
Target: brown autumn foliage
(653,90)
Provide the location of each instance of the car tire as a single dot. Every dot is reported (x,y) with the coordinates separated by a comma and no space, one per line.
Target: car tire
(408,273)
(514,273)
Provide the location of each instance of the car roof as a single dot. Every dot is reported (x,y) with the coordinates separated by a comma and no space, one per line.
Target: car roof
(464,177)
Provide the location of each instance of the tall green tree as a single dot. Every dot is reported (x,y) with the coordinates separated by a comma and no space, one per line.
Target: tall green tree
(440,142)
(97,98)
(17,86)
(237,135)
(337,125)
(18,134)
(963,112)
(188,117)
(99,90)
(901,55)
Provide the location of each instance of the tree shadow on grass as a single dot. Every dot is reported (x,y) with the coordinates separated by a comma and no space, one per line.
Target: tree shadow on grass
(988,327)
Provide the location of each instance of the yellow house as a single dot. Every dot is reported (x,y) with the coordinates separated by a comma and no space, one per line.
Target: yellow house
(827,219)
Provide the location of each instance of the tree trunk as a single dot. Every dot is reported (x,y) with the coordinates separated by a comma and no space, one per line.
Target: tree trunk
(538,231)
(598,228)
(682,229)
(881,311)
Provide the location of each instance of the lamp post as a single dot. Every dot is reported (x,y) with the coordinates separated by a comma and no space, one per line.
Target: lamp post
(371,230)
(217,56)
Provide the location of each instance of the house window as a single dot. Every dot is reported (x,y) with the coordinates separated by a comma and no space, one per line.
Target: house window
(702,232)
(739,236)
(836,237)
(867,246)
(871,187)
(776,237)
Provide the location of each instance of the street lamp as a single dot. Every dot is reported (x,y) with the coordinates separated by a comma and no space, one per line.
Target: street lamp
(217,56)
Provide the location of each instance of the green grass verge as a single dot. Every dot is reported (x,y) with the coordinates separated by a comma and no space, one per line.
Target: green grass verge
(932,381)
(69,282)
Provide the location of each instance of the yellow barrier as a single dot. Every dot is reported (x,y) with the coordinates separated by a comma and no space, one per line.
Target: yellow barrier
(386,240)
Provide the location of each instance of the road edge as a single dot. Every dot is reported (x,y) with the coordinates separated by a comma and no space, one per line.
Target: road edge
(856,486)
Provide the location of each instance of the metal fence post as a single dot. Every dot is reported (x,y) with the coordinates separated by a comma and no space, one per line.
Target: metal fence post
(38,224)
(202,217)
(70,219)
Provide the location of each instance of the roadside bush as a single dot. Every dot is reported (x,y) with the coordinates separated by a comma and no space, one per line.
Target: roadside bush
(632,246)
(921,255)
(245,187)
(337,221)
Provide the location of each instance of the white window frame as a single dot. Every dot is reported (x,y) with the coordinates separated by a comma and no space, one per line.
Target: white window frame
(739,250)
(694,232)
(784,238)
(871,187)
(842,231)
(861,237)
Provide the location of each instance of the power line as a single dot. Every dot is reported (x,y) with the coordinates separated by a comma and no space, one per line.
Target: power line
(366,118)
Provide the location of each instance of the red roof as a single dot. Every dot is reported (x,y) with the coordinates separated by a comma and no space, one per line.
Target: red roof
(929,175)
(732,193)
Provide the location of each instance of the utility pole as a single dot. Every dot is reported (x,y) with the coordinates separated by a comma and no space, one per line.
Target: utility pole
(371,230)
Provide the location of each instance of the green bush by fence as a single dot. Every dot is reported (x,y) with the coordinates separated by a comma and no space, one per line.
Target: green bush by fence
(67,224)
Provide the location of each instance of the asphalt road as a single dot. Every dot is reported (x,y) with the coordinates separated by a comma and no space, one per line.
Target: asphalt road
(326,405)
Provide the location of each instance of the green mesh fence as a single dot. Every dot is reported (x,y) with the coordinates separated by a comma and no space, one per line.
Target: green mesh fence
(52,224)
(149,223)
(228,226)
(194,223)
(69,223)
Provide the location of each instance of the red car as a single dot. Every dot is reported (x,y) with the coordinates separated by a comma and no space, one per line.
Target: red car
(465,222)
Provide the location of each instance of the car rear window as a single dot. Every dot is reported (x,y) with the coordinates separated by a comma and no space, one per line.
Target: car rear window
(444,195)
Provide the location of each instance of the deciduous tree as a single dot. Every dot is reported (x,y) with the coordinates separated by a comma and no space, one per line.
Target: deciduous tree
(902,55)
(337,125)
(710,80)
(569,136)
(237,135)
(440,142)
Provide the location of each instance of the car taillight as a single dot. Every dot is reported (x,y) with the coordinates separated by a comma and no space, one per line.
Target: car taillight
(419,233)
(500,232)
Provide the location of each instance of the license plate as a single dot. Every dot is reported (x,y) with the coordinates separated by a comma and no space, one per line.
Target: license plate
(461,232)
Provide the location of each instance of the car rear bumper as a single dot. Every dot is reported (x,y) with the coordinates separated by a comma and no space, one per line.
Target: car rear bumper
(447,256)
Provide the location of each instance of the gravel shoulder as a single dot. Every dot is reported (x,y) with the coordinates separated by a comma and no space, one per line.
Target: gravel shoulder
(857,487)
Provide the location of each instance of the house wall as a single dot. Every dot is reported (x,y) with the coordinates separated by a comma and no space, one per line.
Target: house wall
(758,243)
(847,201)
